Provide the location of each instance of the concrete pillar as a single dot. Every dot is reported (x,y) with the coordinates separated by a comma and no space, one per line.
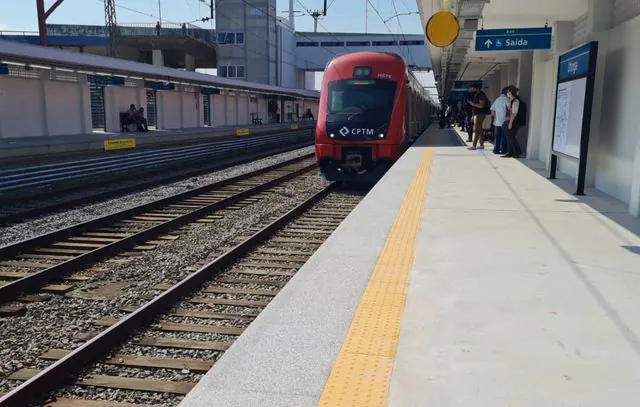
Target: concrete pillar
(562,41)
(504,76)
(539,83)
(189,62)
(599,20)
(85,106)
(182,96)
(512,72)
(238,107)
(524,83)
(634,202)
(45,78)
(157,57)
(599,17)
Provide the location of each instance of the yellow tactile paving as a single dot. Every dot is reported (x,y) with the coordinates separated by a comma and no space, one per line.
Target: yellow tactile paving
(360,375)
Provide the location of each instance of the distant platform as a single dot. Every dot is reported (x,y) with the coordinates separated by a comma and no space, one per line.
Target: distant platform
(20,148)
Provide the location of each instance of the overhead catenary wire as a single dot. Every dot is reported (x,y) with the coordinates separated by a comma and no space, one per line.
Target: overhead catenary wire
(404,38)
(388,29)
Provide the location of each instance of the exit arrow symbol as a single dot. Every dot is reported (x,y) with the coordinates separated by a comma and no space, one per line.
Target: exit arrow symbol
(488,43)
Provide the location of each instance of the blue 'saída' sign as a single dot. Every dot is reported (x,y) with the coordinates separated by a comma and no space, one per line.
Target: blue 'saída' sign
(513,39)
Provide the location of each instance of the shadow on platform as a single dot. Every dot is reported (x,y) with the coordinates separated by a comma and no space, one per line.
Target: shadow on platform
(608,206)
(440,138)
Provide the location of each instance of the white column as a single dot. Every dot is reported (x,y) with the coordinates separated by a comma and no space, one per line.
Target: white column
(599,19)
(525,73)
(201,109)
(84,106)
(182,95)
(44,81)
(160,111)
(157,57)
(512,72)
(563,41)
(634,202)
(536,109)
(238,109)
(111,113)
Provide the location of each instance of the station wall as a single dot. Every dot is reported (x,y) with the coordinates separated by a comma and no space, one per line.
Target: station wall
(41,105)
(619,138)
(614,150)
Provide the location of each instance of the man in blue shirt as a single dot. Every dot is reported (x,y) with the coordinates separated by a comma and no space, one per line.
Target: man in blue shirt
(499,113)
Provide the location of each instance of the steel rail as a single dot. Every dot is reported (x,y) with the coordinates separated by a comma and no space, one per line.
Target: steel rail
(63,370)
(13,217)
(34,281)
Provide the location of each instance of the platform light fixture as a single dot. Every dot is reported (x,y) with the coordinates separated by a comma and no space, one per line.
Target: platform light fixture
(63,69)
(13,63)
(85,72)
(30,66)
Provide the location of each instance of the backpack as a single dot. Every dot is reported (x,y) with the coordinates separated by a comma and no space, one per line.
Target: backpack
(521,117)
(487,105)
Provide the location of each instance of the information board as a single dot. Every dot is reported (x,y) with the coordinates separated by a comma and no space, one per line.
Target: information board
(574,99)
(569,115)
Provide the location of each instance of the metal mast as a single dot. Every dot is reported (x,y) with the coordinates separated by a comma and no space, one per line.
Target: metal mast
(112,26)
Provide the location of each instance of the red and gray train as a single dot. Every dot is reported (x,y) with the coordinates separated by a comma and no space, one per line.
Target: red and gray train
(371,109)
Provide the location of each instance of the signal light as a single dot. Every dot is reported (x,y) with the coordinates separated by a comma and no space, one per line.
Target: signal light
(362,72)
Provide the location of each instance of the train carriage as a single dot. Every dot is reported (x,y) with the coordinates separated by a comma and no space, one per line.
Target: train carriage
(371,108)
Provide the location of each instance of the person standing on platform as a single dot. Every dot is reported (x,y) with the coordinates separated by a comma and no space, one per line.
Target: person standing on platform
(499,113)
(512,124)
(480,105)
(468,119)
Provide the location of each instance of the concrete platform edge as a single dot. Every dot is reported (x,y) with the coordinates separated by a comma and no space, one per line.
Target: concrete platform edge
(287,353)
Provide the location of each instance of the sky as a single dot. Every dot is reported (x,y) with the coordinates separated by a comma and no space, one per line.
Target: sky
(342,15)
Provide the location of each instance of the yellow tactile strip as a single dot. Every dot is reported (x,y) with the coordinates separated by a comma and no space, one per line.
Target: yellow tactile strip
(360,375)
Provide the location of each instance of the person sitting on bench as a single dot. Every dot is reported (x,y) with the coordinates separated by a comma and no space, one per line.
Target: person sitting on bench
(140,120)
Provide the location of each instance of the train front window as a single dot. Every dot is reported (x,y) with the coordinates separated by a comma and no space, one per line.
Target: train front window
(361,97)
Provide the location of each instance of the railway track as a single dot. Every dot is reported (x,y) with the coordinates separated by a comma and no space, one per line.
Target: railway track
(30,265)
(155,353)
(49,188)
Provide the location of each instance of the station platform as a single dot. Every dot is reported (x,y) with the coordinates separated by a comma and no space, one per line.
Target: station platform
(18,149)
(462,279)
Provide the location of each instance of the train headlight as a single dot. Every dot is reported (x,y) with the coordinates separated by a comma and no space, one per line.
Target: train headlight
(381,135)
(332,135)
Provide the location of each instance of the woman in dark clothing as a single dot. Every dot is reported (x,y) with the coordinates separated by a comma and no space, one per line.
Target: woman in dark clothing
(510,126)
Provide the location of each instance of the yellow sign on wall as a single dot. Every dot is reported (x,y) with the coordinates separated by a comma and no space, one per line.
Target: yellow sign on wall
(119,144)
(294,126)
(442,29)
(242,132)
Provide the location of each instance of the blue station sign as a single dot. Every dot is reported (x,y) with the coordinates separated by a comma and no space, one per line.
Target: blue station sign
(155,85)
(100,80)
(458,96)
(210,91)
(4,69)
(513,39)
(466,85)
(575,63)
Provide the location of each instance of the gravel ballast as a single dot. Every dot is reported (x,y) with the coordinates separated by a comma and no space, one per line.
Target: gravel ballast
(49,223)
(53,324)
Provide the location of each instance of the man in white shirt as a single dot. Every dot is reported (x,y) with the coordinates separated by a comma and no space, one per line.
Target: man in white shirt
(499,113)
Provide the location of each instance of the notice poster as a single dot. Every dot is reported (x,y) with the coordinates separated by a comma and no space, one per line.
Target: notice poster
(569,112)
